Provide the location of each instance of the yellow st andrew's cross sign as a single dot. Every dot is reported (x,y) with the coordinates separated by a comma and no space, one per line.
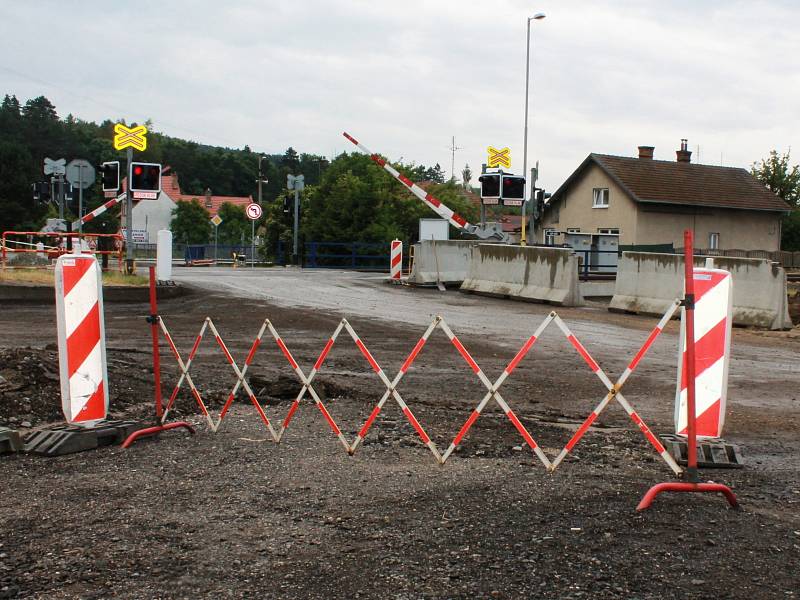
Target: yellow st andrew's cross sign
(499,158)
(130,137)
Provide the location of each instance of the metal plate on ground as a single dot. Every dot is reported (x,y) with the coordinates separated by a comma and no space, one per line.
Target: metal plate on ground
(67,439)
(711,452)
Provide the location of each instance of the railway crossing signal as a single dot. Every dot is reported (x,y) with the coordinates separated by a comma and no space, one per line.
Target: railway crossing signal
(145,180)
(109,173)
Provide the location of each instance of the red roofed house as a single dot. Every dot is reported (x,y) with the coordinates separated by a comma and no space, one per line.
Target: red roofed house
(151,215)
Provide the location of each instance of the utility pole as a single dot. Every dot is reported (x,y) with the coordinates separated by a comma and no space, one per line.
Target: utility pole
(453,149)
(296,183)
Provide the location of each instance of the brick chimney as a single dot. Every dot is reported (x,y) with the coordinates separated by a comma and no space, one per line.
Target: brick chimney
(208,198)
(684,154)
(646,152)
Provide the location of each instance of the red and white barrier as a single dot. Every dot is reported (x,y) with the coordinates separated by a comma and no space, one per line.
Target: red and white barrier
(712,335)
(81,339)
(307,386)
(396,261)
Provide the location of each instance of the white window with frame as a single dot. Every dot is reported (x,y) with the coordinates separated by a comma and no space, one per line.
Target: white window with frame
(608,230)
(573,229)
(713,241)
(549,237)
(600,198)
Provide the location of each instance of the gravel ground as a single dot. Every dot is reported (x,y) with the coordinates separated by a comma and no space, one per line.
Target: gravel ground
(229,515)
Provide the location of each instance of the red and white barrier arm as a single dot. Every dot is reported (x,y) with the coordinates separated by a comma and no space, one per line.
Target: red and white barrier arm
(184,368)
(362,433)
(98,211)
(614,392)
(432,201)
(241,380)
(307,387)
(493,392)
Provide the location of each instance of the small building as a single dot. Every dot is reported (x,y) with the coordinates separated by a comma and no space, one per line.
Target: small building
(617,200)
(149,216)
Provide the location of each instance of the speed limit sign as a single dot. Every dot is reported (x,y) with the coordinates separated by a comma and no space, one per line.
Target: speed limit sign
(253,211)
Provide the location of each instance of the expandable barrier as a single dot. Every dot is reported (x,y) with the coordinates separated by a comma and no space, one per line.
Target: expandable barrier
(306,382)
(54,251)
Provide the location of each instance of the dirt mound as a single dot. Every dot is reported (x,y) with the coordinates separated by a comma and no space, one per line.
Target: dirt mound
(30,391)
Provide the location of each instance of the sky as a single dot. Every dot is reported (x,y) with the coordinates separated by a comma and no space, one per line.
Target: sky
(404,78)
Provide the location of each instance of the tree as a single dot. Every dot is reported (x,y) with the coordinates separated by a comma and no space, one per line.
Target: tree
(779,177)
(191,223)
(434,174)
(466,177)
(775,173)
(234,224)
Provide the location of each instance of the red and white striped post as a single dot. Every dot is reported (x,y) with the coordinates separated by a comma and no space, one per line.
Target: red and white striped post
(693,484)
(81,339)
(396,261)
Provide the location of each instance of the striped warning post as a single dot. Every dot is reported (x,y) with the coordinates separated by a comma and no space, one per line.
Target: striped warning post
(81,339)
(712,334)
(494,393)
(396,261)
(614,391)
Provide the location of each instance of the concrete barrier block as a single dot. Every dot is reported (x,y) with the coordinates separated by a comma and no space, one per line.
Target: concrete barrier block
(445,260)
(527,273)
(648,283)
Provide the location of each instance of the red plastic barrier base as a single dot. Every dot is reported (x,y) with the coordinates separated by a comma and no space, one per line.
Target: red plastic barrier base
(156,430)
(654,491)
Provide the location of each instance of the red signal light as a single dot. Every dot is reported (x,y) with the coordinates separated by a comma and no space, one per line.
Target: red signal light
(137,170)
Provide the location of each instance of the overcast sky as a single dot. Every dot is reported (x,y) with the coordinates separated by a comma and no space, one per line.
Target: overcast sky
(404,77)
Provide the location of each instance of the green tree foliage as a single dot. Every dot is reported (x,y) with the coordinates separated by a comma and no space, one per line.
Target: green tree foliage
(779,176)
(235,224)
(191,223)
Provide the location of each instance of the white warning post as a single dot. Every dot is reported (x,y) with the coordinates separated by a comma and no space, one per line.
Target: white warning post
(81,339)
(712,335)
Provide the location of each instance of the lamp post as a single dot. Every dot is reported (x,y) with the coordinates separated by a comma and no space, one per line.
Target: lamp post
(536,17)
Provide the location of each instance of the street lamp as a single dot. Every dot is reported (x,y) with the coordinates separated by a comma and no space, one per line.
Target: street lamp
(536,17)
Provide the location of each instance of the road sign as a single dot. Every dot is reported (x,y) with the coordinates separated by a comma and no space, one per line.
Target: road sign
(130,137)
(55,167)
(216,220)
(499,158)
(80,173)
(253,211)
(145,195)
(140,236)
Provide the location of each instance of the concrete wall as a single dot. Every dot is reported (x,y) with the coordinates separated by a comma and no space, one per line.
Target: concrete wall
(450,259)
(575,210)
(648,283)
(526,273)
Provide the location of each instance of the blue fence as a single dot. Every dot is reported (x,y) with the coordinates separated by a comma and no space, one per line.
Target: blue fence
(359,256)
